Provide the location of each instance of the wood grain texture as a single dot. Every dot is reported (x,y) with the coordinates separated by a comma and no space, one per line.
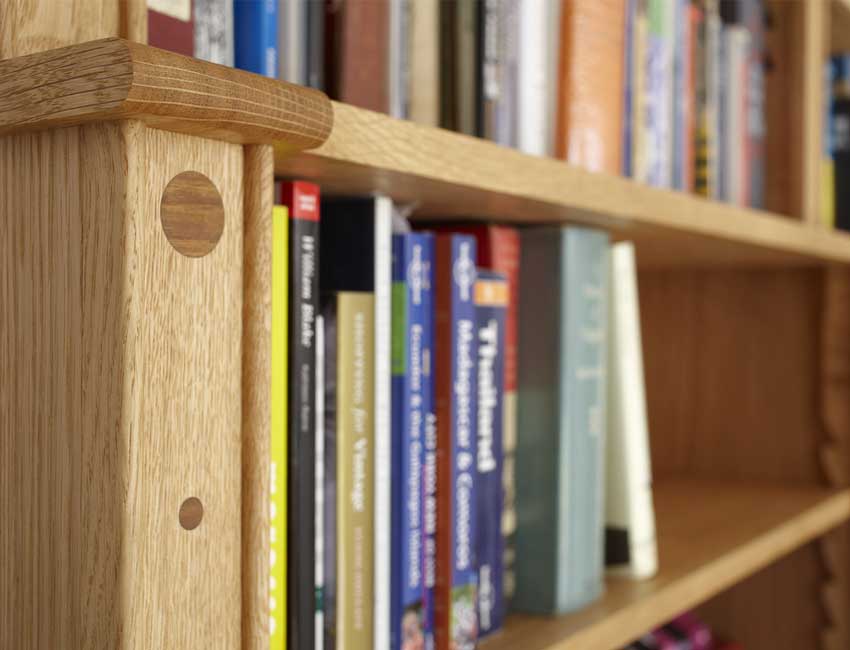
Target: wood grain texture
(839,32)
(134,20)
(701,554)
(732,365)
(192,214)
(455,176)
(116,79)
(28,26)
(120,363)
(256,394)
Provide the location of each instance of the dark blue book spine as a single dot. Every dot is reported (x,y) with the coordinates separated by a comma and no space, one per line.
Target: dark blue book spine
(429,463)
(255,36)
(411,282)
(463,624)
(490,313)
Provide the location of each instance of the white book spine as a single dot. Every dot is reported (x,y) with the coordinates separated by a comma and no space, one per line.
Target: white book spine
(628,494)
(736,49)
(383,455)
(320,477)
(532,77)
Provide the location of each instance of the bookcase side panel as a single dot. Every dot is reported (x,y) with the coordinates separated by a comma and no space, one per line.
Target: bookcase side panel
(63,460)
(256,395)
(182,393)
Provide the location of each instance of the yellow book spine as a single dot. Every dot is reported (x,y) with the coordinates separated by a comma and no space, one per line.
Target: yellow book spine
(355,439)
(277,505)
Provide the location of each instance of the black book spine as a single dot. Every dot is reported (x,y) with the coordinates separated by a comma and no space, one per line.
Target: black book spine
(841,157)
(303,306)
(316,44)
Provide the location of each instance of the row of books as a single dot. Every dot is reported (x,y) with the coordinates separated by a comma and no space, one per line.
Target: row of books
(685,632)
(669,92)
(442,397)
(835,169)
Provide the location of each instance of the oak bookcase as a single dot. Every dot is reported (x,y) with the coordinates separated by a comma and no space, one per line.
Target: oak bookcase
(134,341)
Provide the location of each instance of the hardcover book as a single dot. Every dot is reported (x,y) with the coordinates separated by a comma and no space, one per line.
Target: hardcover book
(491,306)
(412,325)
(589,116)
(278,443)
(357,256)
(327,640)
(630,547)
(214,31)
(455,617)
(255,34)
(170,25)
(302,200)
(424,56)
(562,386)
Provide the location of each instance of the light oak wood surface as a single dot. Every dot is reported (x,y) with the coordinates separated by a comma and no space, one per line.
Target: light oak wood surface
(256,395)
(116,79)
(120,365)
(711,534)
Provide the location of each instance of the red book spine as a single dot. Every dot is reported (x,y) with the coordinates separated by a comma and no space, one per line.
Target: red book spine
(171,26)
(443,398)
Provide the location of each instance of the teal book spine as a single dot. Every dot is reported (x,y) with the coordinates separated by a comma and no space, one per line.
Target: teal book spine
(562,391)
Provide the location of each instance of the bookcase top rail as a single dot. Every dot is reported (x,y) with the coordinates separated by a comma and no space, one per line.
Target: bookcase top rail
(116,79)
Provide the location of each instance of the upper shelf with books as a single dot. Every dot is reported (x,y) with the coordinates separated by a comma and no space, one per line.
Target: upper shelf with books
(738,529)
(355,150)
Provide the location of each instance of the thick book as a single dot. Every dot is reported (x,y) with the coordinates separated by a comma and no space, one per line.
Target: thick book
(355,461)
(360,33)
(658,92)
(412,322)
(590,82)
(302,200)
(171,25)
(357,256)
(630,547)
(214,31)
(278,442)
(424,62)
(498,249)
(255,36)
(491,307)
(562,408)
(455,617)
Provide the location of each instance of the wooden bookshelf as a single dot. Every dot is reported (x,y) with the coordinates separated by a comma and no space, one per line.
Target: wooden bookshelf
(111,330)
(711,534)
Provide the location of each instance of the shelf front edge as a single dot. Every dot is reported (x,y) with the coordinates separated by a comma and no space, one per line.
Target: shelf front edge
(114,79)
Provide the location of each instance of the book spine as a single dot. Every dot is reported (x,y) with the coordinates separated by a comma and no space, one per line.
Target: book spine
(491,66)
(628,86)
(382,445)
(638,75)
(398,61)
(302,200)
(278,442)
(364,34)
(630,546)
(713,99)
(292,40)
(410,280)
(506,109)
(320,485)
(424,62)
(701,107)
(827,177)
(214,31)
(532,78)
(327,639)
(171,25)
(466,63)
(491,304)
(659,93)
(255,36)
(679,99)
(316,44)
(455,603)
(429,462)
(355,459)
(841,139)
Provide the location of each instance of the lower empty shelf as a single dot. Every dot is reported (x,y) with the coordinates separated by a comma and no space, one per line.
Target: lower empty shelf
(711,535)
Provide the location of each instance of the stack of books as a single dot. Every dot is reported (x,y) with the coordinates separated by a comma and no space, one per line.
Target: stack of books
(456,433)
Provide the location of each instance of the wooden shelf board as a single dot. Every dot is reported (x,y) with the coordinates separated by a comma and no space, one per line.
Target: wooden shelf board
(840,26)
(450,175)
(711,535)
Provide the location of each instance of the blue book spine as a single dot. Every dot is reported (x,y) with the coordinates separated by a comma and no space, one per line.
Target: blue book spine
(463,624)
(429,473)
(255,35)
(491,303)
(680,61)
(411,317)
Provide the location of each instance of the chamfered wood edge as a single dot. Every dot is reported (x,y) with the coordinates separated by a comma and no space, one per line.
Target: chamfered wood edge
(115,79)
